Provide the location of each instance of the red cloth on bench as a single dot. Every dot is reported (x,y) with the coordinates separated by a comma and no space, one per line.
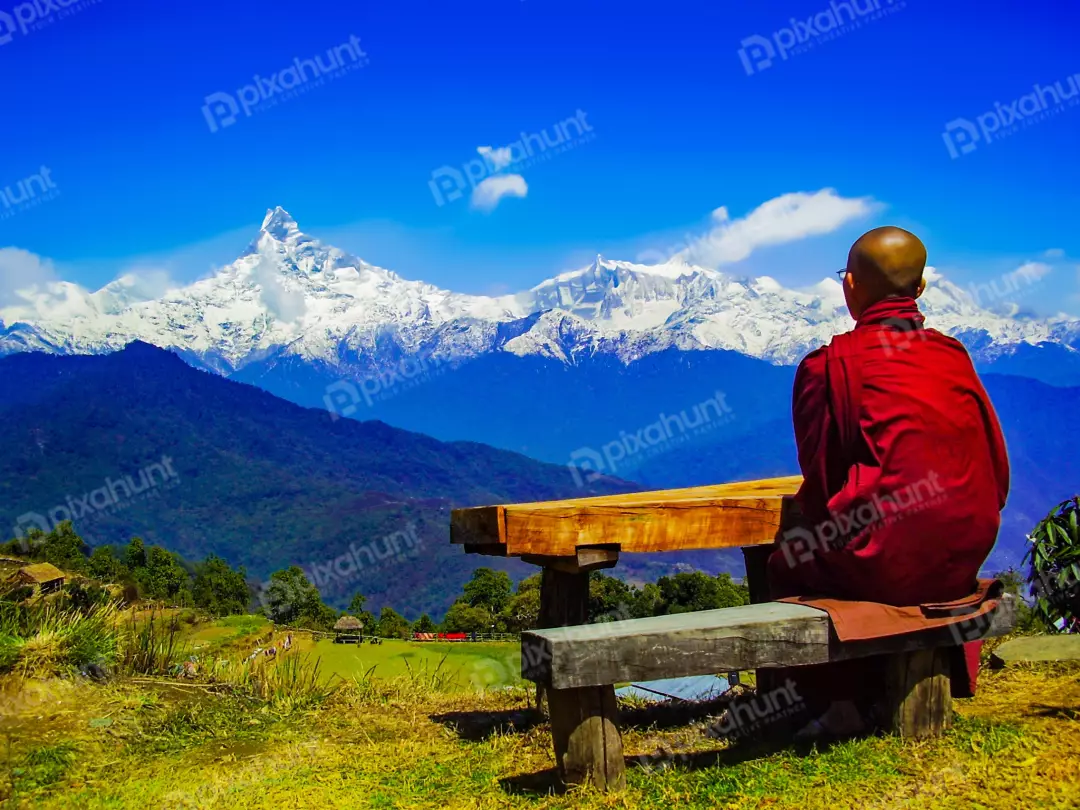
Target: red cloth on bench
(862,621)
(856,620)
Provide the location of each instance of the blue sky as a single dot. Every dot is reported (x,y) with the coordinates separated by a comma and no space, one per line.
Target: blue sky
(108,97)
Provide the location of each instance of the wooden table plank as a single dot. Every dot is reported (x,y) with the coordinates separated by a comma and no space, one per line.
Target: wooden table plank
(719,516)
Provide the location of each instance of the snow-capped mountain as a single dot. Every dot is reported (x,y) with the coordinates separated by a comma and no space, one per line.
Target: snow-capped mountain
(290,295)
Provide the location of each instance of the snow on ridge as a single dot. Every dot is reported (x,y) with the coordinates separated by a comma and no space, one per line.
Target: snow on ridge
(289,292)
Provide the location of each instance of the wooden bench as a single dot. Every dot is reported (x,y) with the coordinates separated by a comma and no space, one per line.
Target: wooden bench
(570,538)
(580,666)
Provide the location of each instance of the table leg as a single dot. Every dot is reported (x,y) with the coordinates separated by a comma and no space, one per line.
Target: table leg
(755,559)
(584,722)
(564,602)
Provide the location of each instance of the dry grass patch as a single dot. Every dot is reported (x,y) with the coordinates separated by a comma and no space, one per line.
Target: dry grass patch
(401,743)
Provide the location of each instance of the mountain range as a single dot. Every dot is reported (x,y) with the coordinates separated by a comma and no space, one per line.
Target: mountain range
(291,297)
(666,374)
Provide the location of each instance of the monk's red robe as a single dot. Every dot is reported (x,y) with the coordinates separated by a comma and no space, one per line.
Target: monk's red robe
(904,465)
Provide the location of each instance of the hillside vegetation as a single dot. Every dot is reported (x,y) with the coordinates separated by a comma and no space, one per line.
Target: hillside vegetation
(233,471)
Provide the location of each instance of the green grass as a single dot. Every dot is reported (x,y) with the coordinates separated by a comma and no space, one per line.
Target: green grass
(214,635)
(465,666)
(388,744)
(43,766)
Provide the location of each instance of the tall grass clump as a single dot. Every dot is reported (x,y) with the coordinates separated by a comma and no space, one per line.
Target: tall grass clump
(415,687)
(291,683)
(49,638)
(152,646)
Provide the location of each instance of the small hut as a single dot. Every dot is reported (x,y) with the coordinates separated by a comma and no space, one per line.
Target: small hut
(42,577)
(348,629)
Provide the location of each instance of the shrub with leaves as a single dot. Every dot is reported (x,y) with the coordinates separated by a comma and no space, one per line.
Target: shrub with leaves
(1055,568)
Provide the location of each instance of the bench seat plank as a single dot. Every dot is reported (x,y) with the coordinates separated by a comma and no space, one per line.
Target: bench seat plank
(770,634)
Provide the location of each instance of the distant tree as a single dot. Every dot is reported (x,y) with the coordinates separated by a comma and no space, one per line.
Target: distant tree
(291,599)
(523,610)
(104,566)
(64,548)
(218,589)
(1012,579)
(464,618)
(610,598)
(357,609)
(356,606)
(370,622)
(732,593)
(424,624)
(489,589)
(688,591)
(164,577)
(29,545)
(649,602)
(135,554)
(392,624)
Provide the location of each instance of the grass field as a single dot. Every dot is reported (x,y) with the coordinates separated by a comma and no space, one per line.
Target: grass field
(230,633)
(382,744)
(452,665)
(459,666)
(421,725)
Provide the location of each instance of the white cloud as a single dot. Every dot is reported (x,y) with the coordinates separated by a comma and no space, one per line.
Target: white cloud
(490,191)
(134,286)
(285,304)
(786,218)
(1030,272)
(21,272)
(149,283)
(30,289)
(498,159)
(1054,253)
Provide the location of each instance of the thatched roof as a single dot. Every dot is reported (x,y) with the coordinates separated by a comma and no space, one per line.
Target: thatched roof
(349,623)
(40,573)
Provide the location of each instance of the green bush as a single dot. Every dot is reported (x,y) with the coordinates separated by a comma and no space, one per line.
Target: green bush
(1055,568)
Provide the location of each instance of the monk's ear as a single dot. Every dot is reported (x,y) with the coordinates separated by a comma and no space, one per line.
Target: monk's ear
(922,287)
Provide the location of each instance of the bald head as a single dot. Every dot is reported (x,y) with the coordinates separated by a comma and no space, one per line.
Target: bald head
(887,261)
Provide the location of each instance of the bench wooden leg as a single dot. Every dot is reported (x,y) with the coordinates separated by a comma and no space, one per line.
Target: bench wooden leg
(918,699)
(564,602)
(584,727)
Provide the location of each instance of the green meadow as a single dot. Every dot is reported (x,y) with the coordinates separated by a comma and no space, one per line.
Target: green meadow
(460,665)
(454,665)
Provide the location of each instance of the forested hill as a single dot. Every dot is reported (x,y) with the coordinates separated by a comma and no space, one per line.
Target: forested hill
(140,443)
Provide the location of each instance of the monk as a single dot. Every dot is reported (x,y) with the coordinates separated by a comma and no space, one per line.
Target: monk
(904,464)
